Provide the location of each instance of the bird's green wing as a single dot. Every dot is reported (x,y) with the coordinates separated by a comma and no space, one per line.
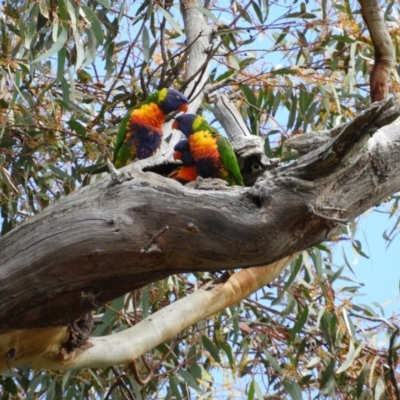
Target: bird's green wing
(229,160)
(153,98)
(121,134)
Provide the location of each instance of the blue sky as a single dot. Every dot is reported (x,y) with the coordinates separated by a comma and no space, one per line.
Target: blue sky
(381,272)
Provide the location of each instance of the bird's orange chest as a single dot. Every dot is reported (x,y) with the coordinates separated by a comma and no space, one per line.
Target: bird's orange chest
(149,115)
(203,145)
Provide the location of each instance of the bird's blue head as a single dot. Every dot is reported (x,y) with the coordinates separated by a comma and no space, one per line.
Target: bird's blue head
(184,123)
(182,152)
(171,100)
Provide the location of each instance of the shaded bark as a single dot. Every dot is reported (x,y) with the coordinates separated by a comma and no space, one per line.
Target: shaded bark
(43,348)
(90,247)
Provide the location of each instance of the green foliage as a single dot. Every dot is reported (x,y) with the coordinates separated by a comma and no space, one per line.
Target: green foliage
(68,72)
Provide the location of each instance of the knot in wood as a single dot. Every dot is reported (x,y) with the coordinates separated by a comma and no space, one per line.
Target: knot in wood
(192,227)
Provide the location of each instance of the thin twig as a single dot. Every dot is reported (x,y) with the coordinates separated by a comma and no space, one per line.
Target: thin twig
(284,131)
(175,71)
(154,238)
(112,387)
(373,319)
(172,72)
(143,84)
(95,72)
(164,66)
(105,103)
(225,82)
(10,355)
(200,70)
(136,374)
(240,14)
(121,383)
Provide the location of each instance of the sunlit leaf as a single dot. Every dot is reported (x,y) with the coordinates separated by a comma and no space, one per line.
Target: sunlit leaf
(313,362)
(349,324)
(171,20)
(351,355)
(379,388)
(208,14)
(234,62)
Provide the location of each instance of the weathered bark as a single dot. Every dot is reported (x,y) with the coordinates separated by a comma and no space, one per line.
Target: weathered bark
(43,348)
(91,246)
(308,141)
(384,50)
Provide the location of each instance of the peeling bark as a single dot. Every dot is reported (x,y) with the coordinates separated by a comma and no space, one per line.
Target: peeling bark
(79,333)
(383,46)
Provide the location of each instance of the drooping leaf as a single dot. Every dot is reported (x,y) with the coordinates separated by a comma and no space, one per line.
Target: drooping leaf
(293,390)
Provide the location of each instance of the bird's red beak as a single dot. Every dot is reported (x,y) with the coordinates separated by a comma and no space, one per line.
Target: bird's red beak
(175,125)
(183,108)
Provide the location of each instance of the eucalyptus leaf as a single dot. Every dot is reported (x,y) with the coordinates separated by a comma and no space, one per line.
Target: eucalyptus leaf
(58,45)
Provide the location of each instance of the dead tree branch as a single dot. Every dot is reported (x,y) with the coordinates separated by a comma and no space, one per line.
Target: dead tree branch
(76,247)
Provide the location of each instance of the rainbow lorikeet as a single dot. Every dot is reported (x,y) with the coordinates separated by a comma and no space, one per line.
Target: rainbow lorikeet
(184,174)
(212,152)
(188,172)
(182,152)
(140,132)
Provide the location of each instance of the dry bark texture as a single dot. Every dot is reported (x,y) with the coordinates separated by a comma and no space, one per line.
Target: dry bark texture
(96,244)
